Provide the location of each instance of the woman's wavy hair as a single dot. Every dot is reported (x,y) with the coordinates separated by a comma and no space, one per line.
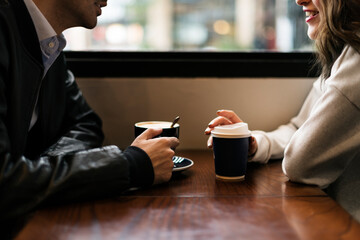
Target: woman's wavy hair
(339,26)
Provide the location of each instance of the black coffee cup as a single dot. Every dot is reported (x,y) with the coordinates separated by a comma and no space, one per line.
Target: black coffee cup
(168,131)
(230,146)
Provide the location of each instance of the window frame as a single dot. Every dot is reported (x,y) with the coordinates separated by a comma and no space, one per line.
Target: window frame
(179,64)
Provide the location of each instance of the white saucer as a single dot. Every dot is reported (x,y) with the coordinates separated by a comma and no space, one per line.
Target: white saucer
(181,163)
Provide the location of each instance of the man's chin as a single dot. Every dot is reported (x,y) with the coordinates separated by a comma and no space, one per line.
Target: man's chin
(90,25)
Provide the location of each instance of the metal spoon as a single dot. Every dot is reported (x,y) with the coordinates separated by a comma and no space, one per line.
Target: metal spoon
(175,121)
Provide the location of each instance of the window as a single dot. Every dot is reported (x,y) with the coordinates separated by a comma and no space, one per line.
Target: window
(193,38)
(195,25)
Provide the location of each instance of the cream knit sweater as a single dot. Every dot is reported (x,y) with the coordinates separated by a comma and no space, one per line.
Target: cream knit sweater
(321,145)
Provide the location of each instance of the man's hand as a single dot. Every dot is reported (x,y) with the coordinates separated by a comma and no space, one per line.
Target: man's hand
(160,150)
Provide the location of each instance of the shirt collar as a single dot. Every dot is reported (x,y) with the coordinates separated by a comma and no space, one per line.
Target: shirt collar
(43,28)
(54,44)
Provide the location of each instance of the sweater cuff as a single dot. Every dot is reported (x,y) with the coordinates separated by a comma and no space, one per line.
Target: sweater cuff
(262,154)
(140,167)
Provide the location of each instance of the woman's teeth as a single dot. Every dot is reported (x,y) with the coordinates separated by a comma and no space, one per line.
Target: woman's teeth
(308,14)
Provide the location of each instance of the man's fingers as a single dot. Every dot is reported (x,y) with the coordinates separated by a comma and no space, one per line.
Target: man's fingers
(150,133)
(174,142)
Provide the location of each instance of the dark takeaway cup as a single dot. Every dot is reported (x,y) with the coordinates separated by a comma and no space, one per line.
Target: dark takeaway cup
(230,146)
(168,131)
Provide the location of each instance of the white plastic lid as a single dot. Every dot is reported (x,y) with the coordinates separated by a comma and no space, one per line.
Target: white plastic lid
(231,131)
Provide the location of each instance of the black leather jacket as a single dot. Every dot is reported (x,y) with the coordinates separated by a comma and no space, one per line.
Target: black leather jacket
(61,158)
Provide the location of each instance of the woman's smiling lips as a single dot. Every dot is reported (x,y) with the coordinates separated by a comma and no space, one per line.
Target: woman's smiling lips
(310,14)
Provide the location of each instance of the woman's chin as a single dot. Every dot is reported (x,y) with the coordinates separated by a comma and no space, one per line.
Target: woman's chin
(312,33)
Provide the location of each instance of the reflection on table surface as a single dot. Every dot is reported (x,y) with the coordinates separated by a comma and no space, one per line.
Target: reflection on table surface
(193,205)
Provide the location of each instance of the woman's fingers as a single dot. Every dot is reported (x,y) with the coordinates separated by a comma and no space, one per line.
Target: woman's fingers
(219,121)
(225,117)
(230,115)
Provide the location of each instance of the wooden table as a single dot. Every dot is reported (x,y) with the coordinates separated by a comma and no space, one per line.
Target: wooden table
(193,205)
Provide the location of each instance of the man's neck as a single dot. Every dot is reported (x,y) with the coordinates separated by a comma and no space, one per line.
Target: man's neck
(49,10)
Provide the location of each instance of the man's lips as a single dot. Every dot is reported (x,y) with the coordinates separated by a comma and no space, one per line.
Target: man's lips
(103,3)
(100,4)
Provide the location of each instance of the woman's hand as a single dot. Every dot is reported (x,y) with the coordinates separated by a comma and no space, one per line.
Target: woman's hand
(226,117)
(252,146)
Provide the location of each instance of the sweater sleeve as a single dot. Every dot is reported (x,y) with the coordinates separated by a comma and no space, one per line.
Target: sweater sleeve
(271,145)
(323,147)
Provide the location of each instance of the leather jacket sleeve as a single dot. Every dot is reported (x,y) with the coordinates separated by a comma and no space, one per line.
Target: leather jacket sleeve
(97,173)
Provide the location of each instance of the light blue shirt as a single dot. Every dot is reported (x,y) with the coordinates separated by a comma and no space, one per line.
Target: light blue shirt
(51,44)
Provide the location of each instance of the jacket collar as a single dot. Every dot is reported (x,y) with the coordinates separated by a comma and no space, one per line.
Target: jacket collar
(26,29)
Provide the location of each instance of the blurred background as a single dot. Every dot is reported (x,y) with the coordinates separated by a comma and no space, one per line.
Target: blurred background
(195,25)
(188,26)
